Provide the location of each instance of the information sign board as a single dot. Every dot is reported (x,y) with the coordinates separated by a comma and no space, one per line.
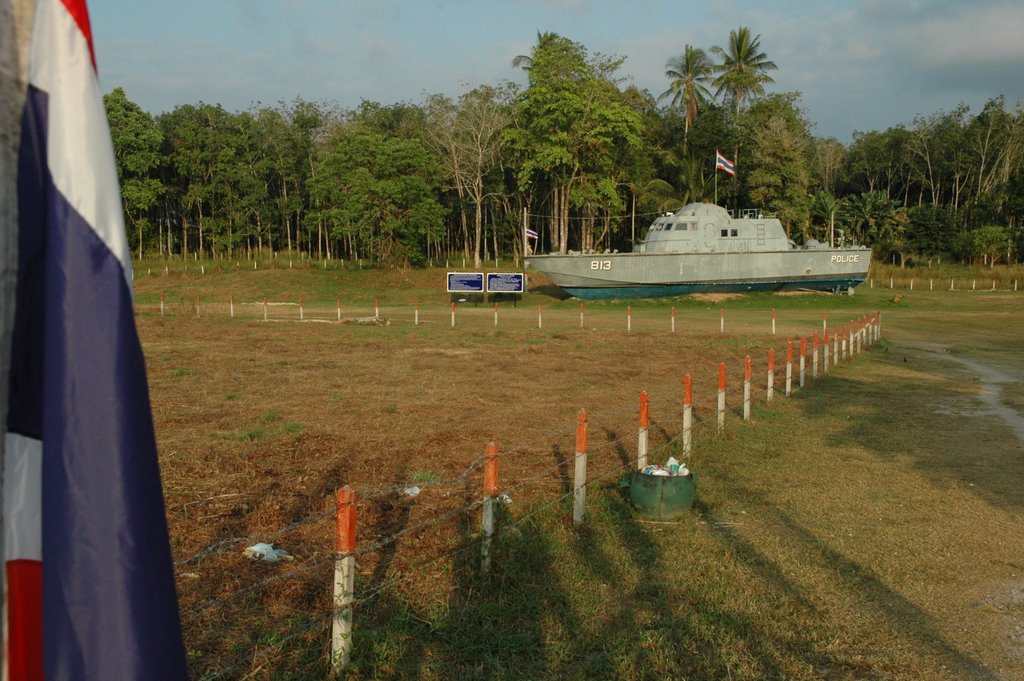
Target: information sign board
(505,282)
(465,282)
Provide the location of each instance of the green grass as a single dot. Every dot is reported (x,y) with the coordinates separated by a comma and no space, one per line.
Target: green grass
(424,476)
(242,434)
(860,529)
(817,524)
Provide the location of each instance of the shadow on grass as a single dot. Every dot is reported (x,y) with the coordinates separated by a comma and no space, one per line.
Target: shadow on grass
(871,592)
(915,412)
(607,600)
(551,291)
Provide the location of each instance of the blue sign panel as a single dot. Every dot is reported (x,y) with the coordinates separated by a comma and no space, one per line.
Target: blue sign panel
(505,282)
(468,282)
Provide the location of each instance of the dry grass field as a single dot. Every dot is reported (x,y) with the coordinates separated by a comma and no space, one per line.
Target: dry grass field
(868,526)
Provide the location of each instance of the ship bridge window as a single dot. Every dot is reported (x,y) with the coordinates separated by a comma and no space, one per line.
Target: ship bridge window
(668,227)
(735,233)
(725,232)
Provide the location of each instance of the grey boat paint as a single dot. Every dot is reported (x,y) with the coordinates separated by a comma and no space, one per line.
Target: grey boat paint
(702,248)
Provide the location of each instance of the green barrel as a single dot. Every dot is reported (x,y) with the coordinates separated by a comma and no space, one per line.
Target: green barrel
(662,497)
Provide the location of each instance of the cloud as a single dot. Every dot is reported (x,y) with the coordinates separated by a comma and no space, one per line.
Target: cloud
(858,64)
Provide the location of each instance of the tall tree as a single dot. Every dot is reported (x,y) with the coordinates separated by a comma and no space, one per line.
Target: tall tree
(744,68)
(468,140)
(876,220)
(137,139)
(825,207)
(525,61)
(381,190)
(690,75)
(828,162)
(571,117)
(779,179)
(879,161)
(936,147)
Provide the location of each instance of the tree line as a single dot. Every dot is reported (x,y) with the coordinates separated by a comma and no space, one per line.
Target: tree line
(574,155)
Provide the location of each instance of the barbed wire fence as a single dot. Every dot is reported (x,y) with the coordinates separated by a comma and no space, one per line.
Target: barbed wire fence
(802,360)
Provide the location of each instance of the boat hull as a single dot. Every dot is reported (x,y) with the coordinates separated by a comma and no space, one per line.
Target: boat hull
(649,275)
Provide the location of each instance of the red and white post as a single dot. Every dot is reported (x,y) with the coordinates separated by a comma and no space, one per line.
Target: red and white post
(803,358)
(814,355)
(789,367)
(721,396)
(773,321)
(490,491)
(337,307)
(673,320)
(629,319)
(581,316)
(579,489)
(161,303)
(770,390)
(641,444)
(416,315)
(540,317)
(453,315)
(746,388)
(495,314)
(824,348)
(264,309)
(376,307)
(687,415)
(721,320)
(344,579)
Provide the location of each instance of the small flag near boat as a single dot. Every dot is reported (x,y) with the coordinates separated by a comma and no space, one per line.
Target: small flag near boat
(531,233)
(721,162)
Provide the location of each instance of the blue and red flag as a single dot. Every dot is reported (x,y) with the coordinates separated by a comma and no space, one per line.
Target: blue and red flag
(88,571)
(722,163)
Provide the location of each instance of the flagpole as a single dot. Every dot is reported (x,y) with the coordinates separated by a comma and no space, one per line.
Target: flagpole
(17,18)
(525,242)
(716,178)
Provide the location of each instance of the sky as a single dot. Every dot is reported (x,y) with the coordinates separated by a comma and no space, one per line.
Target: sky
(859,65)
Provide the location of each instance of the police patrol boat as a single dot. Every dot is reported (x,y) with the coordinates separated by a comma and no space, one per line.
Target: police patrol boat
(704,248)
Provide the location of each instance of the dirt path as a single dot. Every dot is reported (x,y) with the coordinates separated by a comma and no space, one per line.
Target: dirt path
(1001,597)
(991,381)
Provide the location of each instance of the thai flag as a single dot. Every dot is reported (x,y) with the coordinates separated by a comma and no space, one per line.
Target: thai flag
(722,163)
(88,575)
(531,233)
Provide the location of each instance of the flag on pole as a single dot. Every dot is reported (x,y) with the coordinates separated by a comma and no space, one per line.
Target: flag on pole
(88,572)
(722,163)
(532,234)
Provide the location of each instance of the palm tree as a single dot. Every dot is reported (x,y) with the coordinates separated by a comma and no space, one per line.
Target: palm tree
(525,61)
(824,206)
(743,68)
(691,185)
(690,74)
(875,219)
